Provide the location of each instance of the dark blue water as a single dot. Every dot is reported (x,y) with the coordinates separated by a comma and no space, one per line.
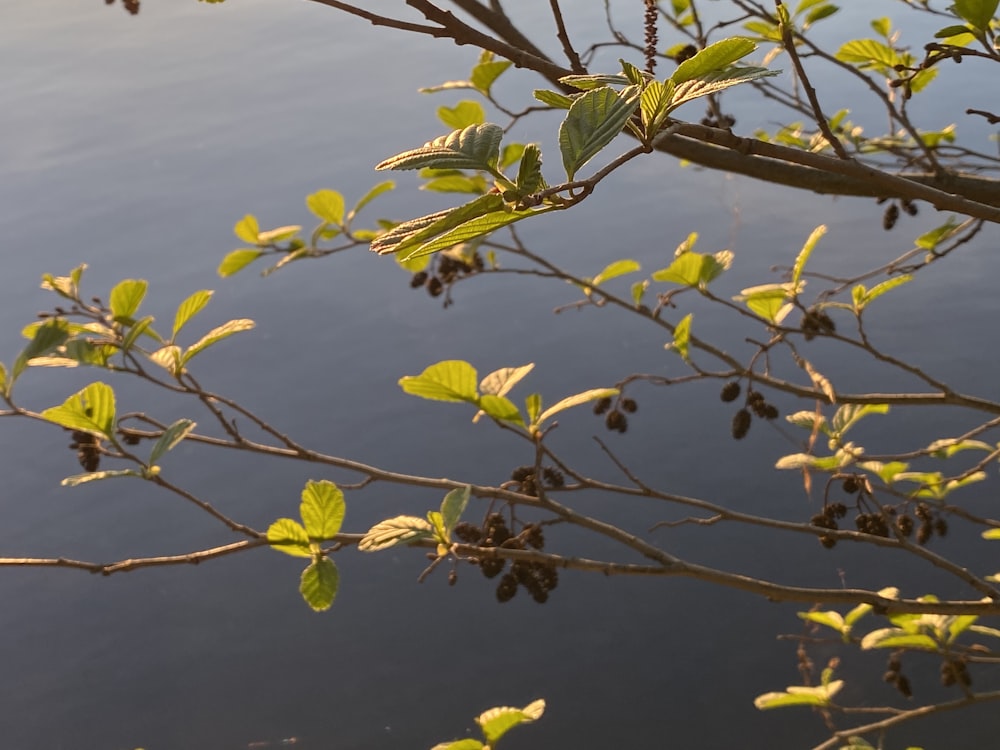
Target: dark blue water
(134,144)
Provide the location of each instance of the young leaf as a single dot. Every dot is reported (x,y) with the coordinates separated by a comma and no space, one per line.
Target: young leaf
(576,400)
(278,234)
(593,121)
(770,301)
(714,57)
(47,337)
(501,382)
(590,82)
(979,13)
(496,722)
(467,744)
(372,194)
(654,105)
(450,380)
(237,260)
(713,83)
(529,171)
(930,240)
(500,408)
(682,336)
(533,408)
(799,695)
(125,298)
(803,256)
(136,330)
(288,536)
(462,115)
(486,71)
(453,506)
(169,358)
(90,410)
(319,584)
(170,438)
(416,232)
(393,531)
(322,510)
(614,270)
(474,147)
(478,227)
(215,335)
(898,638)
(191,307)
(94,476)
(554,99)
(328,205)
(247,229)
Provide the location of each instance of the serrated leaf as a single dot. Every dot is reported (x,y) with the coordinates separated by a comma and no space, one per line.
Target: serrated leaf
(554,99)
(414,233)
(237,260)
(576,400)
(169,358)
(897,638)
(496,722)
(453,506)
(713,83)
(770,301)
(807,420)
(322,510)
(393,531)
(319,584)
(90,410)
(869,53)
(807,249)
(500,408)
(327,205)
(486,71)
(136,330)
(288,536)
(529,171)
(462,115)
(476,228)
(682,336)
(450,380)
(654,105)
(190,307)
(215,335)
(95,476)
(474,147)
(247,229)
(848,415)
(593,121)
(126,296)
(171,436)
(632,73)
(591,81)
(47,337)
(714,57)
(501,382)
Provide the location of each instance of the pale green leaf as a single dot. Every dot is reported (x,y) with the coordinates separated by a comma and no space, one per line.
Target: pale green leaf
(169,358)
(91,410)
(879,289)
(322,510)
(829,618)
(215,335)
(462,115)
(591,81)
(466,744)
(614,270)
(849,415)
(372,194)
(416,232)
(576,400)
(278,234)
(125,298)
(533,408)
(478,227)
(237,260)
(191,307)
(501,382)
(500,408)
(393,531)
(94,476)
(930,240)
(770,301)
(713,83)
(328,205)
(450,380)
(137,329)
(486,71)
(897,638)
(529,171)
(319,584)
(803,256)
(682,336)
(979,13)
(654,105)
(714,57)
(171,436)
(453,506)
(869,53)
(247,229)
(496,722)
(288,536)
(593,121)
(554,99)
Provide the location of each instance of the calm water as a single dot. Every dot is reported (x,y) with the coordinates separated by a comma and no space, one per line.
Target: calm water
(133,144)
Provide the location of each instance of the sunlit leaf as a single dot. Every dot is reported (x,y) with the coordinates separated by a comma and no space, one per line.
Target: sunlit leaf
(288,536)
(322,510)
(466,744)
(453,506)
(979,13)
(411,234)
(96,476)
(593,121)
(713,83)
(682,336)
(125,298)
(554,99)
(462,115)
(474,147)
(171,436)
(237,260)
(614,270)
(90,410)
(869,53)
(328,205)
(576,400)
(803,256)
(799,695)
(215,335)
(496,722)
(47,337)
(486,71)
(278,234)
(319,584)
(898,638)
(189,308)
(500,408)
(476,228)
(247,229)
(714,57)
(372,194)
(450,380)
(393,531)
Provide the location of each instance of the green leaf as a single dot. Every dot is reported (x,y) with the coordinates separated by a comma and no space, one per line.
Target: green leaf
(803,256)
(169,358)
(278,234)
(170,438)
(372,194)
(288,536)
(453,506)
(897,638)
(474,147)
(682,336)
(633,74)
(614,270)
(438,531)
(799,695)
(576,400)
(654,105)
(136,330)
(554,99)
(695,269)
(714,57)
(95,476)
(529,171)
(393,531)
(979,13)
(47,337)
(869,53)
(593,121)
(462,115)
(476,228)
(863,296)
(91,410)
(322,510)
(592,81)
(959,624)
(454,181)
(713,83)
(849,415)
(808,420)
(125,298)
(496,722)
(500,408)
(319,584)
(65,286)
(533,407)
(247,229)
(215,335)
(991,534)
(948,447)
(486,71)
(770,301)
(416,232)
(882,26)
(450,380)
(189,308)
(830,619)
(237,260)
(328,205)
(466,744)
(930,240)
(501,382)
